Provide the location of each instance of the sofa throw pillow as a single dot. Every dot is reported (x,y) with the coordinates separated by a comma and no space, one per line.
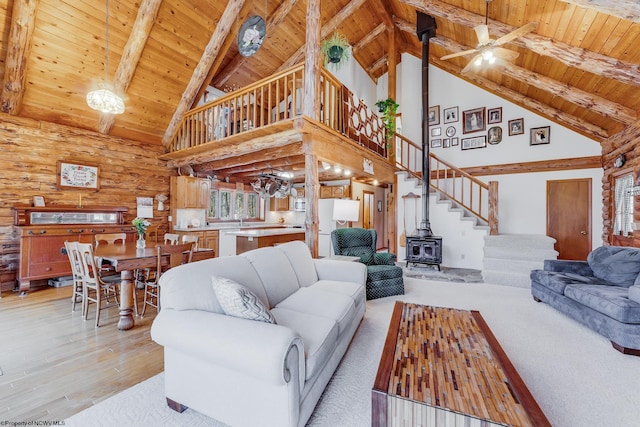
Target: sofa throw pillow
(616,264)
(238,301)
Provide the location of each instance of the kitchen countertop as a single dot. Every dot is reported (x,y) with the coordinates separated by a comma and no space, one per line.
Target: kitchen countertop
(236,226)
(265,232)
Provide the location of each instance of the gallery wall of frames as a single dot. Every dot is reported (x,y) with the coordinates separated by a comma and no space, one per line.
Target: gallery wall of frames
(478,127)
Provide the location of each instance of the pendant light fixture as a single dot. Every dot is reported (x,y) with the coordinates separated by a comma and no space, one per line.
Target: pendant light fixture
(104,99)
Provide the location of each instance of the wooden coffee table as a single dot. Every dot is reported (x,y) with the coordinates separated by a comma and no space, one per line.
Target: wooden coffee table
(442,366)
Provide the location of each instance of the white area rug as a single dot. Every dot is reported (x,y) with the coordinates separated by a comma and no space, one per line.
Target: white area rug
(577,378)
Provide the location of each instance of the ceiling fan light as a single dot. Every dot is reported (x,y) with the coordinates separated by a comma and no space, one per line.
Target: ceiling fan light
(492,60)
(487,55)
(105,100)
(478,61)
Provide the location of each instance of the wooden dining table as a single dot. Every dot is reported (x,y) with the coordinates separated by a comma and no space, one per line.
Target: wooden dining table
(126,259)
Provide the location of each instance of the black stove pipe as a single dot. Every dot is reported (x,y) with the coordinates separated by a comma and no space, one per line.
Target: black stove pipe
(425,29)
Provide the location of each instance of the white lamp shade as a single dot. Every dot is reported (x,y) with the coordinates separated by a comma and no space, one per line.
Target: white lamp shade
(346,210)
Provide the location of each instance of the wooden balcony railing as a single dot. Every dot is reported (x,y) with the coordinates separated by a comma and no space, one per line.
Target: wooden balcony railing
(276,99)
(265,102)
(470,193)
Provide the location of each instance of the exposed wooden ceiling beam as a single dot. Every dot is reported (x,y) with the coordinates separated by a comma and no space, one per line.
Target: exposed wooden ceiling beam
(23,19)
(228,151)
(273,21)
(372,35)
(203,67)
(587,129)
(625,9)
(242,162)
(146,17)
(228,42)
(571,94)
(327,28)
(381,62)
(591,62)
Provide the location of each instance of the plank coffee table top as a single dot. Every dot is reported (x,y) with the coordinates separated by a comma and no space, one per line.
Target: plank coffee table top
(440,366)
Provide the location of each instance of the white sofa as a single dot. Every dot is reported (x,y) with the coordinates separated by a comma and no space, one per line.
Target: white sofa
(247,372)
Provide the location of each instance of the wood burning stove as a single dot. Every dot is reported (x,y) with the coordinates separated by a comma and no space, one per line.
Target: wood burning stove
(424,250)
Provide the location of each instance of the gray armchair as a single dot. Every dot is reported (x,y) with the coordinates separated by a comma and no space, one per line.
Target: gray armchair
(384,278)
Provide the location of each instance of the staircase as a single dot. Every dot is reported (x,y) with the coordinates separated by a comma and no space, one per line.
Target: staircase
(509,258)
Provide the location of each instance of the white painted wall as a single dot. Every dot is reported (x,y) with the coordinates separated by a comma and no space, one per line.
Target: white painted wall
(352,75)
(522,203)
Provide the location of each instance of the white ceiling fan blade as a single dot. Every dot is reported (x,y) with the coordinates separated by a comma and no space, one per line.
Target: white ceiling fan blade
(516,33)
(506,54)
(471,64)
(482,32)
(463,53)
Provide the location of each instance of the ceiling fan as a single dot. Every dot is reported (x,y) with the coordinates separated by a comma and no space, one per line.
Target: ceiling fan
(487,49)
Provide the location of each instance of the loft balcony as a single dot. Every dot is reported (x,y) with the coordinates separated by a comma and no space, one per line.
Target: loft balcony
(262,126)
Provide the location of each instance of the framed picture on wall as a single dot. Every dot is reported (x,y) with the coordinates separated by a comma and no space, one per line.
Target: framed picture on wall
(494,115)
(474,142)
(454,141)
(434,115)
(436,131)
(450,115)
(473,120)
(436,143)
(516,127)
(539,135)
(78,175)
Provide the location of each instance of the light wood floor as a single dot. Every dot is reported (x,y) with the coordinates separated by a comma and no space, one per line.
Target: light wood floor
(53,364)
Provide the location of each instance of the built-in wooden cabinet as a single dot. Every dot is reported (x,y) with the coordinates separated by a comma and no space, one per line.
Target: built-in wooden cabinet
(334,191)
(206,239)
(188,192)
(44,230)
(277,205)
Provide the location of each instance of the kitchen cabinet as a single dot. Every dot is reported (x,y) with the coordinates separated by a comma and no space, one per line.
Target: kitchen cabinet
(276,204)
(334,191)
(188,192)
(206,239)
(44,230)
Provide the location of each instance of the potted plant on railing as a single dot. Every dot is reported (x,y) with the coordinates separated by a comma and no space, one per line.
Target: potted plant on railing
(389,109)
(335,50)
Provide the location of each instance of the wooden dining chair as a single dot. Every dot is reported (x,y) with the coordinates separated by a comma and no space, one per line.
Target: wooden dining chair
(171,239)
(110,238)
(178,254)
(97,288)
(151,233)
(76,272)
(190,238)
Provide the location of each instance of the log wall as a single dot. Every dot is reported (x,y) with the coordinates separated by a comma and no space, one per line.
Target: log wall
(627,143)
(29,151)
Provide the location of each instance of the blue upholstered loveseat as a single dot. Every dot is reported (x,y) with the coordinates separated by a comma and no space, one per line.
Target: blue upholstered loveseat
(602,293)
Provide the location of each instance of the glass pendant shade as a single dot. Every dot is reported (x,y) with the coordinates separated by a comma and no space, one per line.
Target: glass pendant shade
(105,100)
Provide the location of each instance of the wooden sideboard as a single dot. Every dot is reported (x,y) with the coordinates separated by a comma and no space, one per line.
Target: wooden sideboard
(42,237)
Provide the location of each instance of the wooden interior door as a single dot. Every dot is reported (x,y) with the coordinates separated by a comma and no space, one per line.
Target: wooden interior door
(569,217)
(368,209)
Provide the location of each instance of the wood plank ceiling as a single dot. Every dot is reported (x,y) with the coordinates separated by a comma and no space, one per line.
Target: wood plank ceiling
(580,67)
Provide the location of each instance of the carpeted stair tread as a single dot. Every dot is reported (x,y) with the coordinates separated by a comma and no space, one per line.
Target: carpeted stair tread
(506,252)
(538,241)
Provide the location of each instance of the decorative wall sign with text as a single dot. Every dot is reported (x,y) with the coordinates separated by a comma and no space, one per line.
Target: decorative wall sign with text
(75,175)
